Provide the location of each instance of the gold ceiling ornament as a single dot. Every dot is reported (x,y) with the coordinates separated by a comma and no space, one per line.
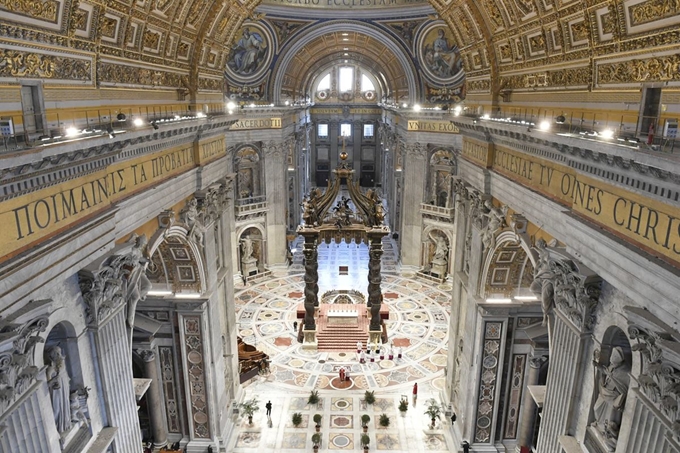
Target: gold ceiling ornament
(37,9)
(653,10)
(634,71)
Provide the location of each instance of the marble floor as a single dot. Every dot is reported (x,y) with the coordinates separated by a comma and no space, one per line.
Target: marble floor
(417,325)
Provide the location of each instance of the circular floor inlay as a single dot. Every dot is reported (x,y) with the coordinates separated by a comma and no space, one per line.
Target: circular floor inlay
(341,441)
(342,404)
(296,363)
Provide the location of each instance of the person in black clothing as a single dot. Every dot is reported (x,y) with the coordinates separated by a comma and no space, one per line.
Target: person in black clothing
(466,447)
(269,408)
(453,418)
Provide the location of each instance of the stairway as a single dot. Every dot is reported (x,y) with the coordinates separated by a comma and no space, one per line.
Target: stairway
(341,337)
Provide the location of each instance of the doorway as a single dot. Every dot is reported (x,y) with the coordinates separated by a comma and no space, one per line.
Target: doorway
(32,111)
(650,109)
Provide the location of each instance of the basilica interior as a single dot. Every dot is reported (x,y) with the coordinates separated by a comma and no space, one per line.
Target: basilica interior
(301,225)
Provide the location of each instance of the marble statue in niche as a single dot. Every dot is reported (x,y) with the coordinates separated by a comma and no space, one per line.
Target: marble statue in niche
(59,386)
(544,280)
(439,263)
(248,261)
(138,284)
(612,387)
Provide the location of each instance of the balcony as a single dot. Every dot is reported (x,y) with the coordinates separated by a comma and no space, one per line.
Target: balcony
(437,212)
(250,205)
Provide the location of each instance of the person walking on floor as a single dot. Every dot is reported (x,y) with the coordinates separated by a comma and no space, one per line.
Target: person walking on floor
(268,406)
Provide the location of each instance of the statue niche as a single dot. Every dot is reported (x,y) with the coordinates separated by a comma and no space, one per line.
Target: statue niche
(612,380)
(441,171)
(250,248)
(247,165)
(438,253)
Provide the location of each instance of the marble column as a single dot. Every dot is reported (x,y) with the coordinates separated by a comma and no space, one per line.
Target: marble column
(526,423)
(153,398)
(374,292)
(414,174)
(311,301)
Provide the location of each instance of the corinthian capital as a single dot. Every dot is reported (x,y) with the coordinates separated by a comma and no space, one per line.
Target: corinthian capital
(415,151)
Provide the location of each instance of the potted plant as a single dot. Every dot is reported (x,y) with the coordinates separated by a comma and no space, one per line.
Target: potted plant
(403,406)
(369,397)
(316,441)
(433,411)
(297,419)
(364,421)
(313,397)
(365,440)
(249,407)
(384,420)
(317,420)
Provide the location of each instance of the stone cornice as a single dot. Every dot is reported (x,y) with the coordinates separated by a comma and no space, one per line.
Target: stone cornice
(620,165)
(62,162)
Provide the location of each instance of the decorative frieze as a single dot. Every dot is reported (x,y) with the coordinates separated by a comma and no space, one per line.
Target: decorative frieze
(19,63)
(639,70)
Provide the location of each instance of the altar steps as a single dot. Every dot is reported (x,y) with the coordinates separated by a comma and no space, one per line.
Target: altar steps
(342,337)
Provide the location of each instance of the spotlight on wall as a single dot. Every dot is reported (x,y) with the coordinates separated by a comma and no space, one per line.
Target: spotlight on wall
(544,125)
(498,300)
(121,117)
(71,132)
(607,134)
(416,107)
(525,298)
(138,122)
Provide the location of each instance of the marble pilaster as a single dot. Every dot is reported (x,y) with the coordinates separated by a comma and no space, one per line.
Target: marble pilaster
(526,422)
(414,173)
(277,199)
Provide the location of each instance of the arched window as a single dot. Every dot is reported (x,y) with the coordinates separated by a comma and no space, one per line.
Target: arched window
(366,84)
(324,83)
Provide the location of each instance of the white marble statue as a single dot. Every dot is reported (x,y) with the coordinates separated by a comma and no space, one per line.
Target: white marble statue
(58,384)
(612,390)
(441,250)
(246,247)
(138,285)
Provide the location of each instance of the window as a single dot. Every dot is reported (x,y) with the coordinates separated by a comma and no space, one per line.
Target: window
(368,130)
(346,78)
(366,84)
(322,130)
(346,130)
(325,83)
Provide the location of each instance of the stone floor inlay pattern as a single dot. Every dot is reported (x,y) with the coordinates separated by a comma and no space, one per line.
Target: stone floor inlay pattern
(417,327)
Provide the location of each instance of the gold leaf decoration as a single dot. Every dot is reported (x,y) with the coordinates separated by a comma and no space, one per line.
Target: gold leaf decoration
(15,63)
(653,10)
(46,10)
(633,71)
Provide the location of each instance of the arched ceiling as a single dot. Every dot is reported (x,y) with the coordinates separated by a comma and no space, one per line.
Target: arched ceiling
(185,43)
(313,55)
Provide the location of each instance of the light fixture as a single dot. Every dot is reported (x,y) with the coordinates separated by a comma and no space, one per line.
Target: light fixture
(416,107)
(231,105)
(159,293)
(525,298)
(404,105)
(544,125)
(138,122)
(200,115)
(345,54)
(121,117)
(486,116)
(607,134)
(345,34)
(498,300)
(71,131)
(187,295)
(286,103)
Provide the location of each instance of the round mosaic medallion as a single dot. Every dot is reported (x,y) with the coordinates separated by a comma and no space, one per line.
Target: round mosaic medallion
(296,363)
(386,364)
(342,404)
(340,441)
(246,332)
(439,383)
(438,359)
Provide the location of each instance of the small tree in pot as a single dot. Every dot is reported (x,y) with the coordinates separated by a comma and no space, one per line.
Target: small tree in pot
(369,397)
(403,406)
(249,407)
(316,441)
(364,421)
(365,440)
(384,420)
(297,419)
(317,420)
(313,397)
(433,411)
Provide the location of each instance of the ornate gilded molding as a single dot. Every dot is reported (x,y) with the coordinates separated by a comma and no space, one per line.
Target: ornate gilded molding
(18,63)
(133,75)
(634,71)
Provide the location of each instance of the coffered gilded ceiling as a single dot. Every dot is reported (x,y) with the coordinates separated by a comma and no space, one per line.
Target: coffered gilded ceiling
(592,43)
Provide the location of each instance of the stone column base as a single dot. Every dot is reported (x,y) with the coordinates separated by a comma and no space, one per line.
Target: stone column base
(374,337)
(309,341)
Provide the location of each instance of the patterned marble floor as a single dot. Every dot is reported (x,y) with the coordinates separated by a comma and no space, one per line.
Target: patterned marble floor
(418,324)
